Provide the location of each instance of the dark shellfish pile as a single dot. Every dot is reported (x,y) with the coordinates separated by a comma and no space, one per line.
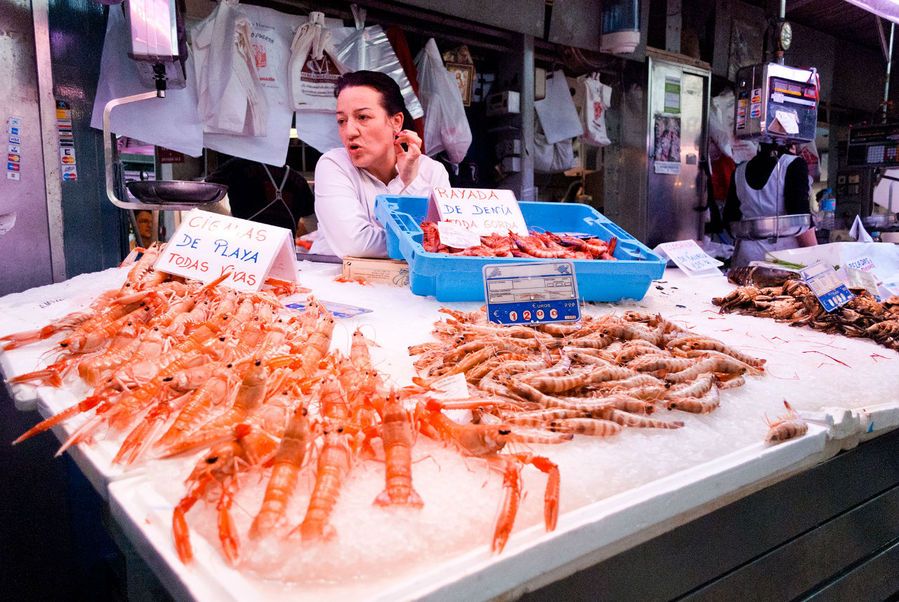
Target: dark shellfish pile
(778,294)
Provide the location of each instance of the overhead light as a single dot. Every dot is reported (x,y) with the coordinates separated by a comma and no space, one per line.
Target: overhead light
(293,133)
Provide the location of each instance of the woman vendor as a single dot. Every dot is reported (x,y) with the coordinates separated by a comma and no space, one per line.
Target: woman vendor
(771,183)
(378,157)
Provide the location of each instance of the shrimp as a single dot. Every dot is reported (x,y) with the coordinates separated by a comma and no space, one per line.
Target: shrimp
(124,345)
(641,380)
(92,335)
(695,405)
(723,363)
(697,342)
(558,384)
(247,448)
(144,434)
(485,441)
(141,267)
(657,362)
(144,362)
(213,394)
(586,426)
(511,471)
(86,405)
(471,439)
(316,346)
(192,377)
(539,418)
(634,420)
(633,349)
(283,480)
(697,388)
(67,322)
(788,426)
(333,400)
(359,352)
(530,247)
(124,411)
(249,396)
(396,433)
(333,465)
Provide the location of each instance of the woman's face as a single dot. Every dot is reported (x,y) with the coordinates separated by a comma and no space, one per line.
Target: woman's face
(145,225)
(365,128)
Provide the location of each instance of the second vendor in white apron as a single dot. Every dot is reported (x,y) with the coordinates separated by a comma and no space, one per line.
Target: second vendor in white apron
(771,183)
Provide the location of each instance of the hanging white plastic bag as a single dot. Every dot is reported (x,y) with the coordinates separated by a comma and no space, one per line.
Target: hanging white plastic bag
(230,98)
(557,112)
(597,99)
(552,157)
(271,33)
(446,126)
(368,48)
(314,68)
(809,152)
(171,122)
(721,122)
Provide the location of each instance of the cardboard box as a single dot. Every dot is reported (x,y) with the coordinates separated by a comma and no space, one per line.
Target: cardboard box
(393,272)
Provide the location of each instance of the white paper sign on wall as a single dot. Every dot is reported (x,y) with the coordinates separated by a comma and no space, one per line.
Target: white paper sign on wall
(481,210)
(206,245)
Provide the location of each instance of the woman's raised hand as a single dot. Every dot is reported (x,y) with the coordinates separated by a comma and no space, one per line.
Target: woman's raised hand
(407,159)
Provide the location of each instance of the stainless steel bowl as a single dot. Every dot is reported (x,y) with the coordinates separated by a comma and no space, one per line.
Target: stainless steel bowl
(782,226)
(176,195)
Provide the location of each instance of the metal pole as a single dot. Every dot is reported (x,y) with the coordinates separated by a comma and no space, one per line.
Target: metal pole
(528,193)
(886,89)
(779,54)
(50,139)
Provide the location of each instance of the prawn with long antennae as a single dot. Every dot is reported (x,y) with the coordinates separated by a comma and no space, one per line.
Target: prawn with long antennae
(788,426)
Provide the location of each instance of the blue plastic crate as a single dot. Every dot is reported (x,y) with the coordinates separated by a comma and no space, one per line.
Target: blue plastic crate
(459,278)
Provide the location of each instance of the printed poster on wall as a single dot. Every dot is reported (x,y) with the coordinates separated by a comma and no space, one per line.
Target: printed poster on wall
(672,94)
(666,145)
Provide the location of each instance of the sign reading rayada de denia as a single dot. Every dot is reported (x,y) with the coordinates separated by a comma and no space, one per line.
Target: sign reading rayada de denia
(207,245)
(481,210)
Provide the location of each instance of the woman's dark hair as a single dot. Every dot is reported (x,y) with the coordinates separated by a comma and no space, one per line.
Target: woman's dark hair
(391,96)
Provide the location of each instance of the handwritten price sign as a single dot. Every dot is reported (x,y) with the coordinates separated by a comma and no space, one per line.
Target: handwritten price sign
(480,210)
(689,257)
(207,245)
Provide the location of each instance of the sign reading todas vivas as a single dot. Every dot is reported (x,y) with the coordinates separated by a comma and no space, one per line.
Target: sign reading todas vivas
(207,245)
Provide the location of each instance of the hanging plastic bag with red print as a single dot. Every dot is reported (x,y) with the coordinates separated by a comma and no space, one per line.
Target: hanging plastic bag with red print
(598,98)
(314,69)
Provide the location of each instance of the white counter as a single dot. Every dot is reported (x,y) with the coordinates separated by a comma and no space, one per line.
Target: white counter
(616,493)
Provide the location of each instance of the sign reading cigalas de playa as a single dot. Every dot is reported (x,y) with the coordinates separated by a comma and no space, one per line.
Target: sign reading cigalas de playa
(207,245)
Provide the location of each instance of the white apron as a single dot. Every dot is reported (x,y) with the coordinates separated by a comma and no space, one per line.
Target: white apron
(767,202)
